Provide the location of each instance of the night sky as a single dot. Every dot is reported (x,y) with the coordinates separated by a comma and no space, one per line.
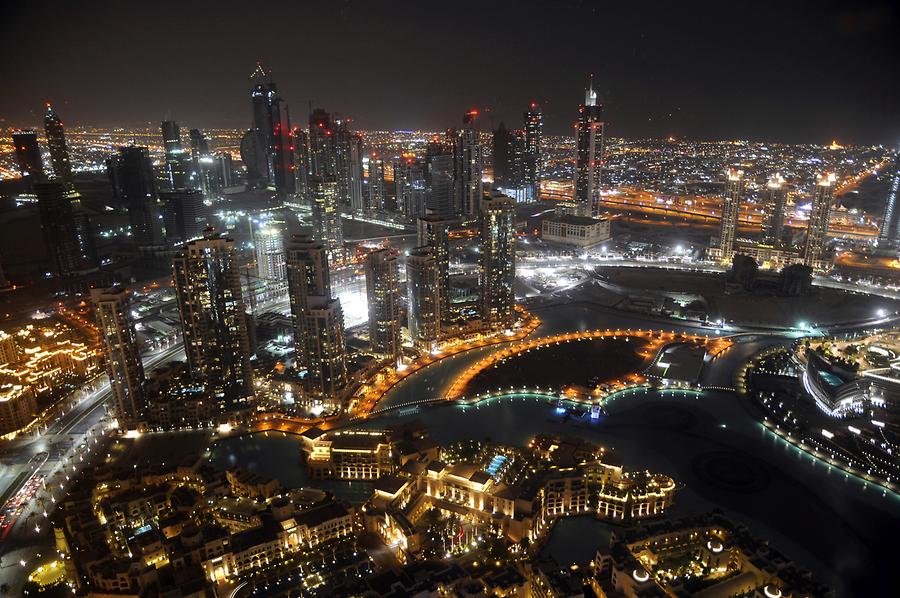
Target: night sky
(791,71)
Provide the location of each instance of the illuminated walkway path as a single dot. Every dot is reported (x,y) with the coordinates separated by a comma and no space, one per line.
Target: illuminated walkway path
(655,342)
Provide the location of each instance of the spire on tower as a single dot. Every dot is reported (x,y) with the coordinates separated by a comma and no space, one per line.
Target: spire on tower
(590,96)
(260,72)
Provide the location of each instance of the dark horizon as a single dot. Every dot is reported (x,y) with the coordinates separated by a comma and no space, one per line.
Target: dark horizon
(805,73)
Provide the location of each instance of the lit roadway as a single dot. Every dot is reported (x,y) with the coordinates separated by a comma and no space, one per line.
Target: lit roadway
(708,210)
(86,413)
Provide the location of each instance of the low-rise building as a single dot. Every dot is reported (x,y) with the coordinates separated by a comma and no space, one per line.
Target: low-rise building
(579,231)
(18,407)
(348,455)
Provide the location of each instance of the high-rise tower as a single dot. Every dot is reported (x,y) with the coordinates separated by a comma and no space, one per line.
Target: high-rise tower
(59,151)
(326,215)
(376,191)
(383,294)
(177,160)
(589,152)
(423,298)
(266,147)
(468,165)
(440,179)
(889,233)
(498,261)
(317,317)
(203,174)
(322,152)
(67,233)
(28,155)
(500,155)
(534,157)
(135,187)
(510,163)
(817,229)
(123,360)
(409,182)
(184,215)
(348,166)
(773,210)
(216,340)
(270,261)
(731,205)
(434,233)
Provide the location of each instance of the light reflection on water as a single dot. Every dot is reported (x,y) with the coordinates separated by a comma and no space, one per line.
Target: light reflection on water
(827,522)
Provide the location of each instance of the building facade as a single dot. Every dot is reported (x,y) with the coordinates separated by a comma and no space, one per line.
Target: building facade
(534,157)
(731,205)
(59,151)
(383,294)
(213,319)
(469,166)
(28,154)
(123,359)
(67,232)
(434,233)
(134,185)
(817,229)
(575,230)
(589,152)
(326,215)
(773,211)
(423,283)
(316,317)
(889,232)
(498,261)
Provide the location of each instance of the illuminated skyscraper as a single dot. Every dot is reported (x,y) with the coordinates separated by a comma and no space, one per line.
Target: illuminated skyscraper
(534,157)
(469,166)
(270,260)
(326,216)
(439,179)
(510,163)
(59,151)
(383,294)
(216,341)
(308,276)
(434,233)
(423,298)
(349,167)
(67,233)
(203,174)
(889,233)
(177,160)
(498,261)
(135,187)
(184,215)
(302,167)
(409,182)
(322,152)
(224,169)
(817,228)
(28,155)
(123,360)
(266,148)
(317,317)
(731,204)
(376,191)
(589,152)
(773,210)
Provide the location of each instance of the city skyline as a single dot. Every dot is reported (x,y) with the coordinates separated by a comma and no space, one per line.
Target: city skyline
(731,85)
(521,354)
